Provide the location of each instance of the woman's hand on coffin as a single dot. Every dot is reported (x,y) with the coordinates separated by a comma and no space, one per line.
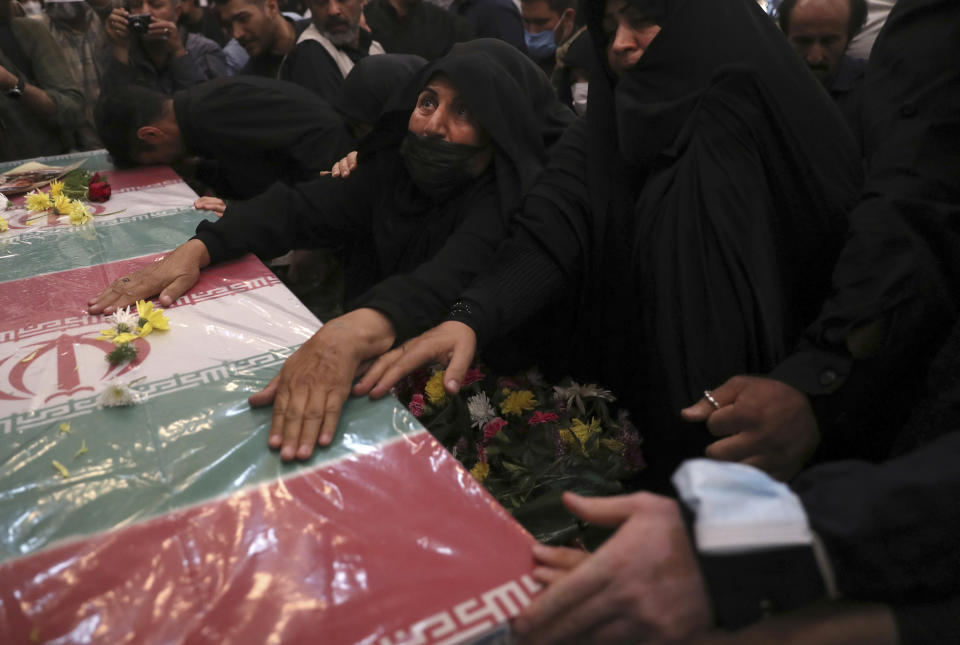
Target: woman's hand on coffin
(170,276)
(642,585)
(214,204)
(451,343)
(764,423)
(314,383)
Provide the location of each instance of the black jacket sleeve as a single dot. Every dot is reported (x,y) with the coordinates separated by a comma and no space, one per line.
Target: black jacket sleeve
(415,301)
(545,250)
(890,529)
(896,286)
(320,213)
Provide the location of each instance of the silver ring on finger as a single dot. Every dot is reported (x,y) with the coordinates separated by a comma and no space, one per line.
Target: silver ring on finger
(713,401)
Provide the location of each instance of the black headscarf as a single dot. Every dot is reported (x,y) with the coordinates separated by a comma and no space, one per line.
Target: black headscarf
(372,81)
(552,116)
(717,178)
(516,113)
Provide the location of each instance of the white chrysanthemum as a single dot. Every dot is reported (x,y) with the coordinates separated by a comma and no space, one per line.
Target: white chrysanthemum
(576,393)
(480,409)
(124,317)
(118,394)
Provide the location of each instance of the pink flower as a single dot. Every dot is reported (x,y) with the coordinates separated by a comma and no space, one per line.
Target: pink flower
(491,429)
(416,405)
(481,454)
(473,375)
(542,417)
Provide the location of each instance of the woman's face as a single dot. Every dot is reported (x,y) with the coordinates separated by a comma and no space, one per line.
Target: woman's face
(441,113)
(629,32)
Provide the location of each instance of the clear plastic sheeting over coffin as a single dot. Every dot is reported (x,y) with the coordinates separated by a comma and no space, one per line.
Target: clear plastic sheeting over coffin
(170,521)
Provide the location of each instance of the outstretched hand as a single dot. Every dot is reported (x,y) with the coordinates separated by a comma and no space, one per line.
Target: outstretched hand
(643,584)
(314,383)
(764,423)
(451,343)
(171,277)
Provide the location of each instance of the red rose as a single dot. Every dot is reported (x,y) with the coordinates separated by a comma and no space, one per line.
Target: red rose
(96,177)
(99,191)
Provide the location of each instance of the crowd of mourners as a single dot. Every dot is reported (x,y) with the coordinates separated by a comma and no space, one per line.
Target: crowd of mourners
(742,218)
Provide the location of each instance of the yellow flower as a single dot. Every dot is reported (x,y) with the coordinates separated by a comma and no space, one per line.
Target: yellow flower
(436,395)
(79,214)
(117,337)
(56,188)
(3,225)
(37,201)
(583,432)
(480,471)
(518,402)
(154,318)
(62,204)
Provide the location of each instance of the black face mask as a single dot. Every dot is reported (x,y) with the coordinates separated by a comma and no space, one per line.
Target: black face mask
(437,167)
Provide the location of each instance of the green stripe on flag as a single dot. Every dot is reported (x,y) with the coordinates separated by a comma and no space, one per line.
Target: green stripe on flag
(197,439)
(99,242)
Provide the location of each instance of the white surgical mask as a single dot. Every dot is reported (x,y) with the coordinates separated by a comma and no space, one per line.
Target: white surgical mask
(579,93)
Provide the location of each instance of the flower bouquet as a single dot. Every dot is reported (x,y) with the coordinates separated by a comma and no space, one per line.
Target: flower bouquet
(527,441)
(67,197)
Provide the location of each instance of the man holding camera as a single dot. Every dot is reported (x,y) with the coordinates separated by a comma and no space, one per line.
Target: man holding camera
(149,49)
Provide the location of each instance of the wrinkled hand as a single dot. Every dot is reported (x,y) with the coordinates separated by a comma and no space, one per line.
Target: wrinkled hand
(116,27)
(343,167)
(314,383)
(170,277)
(214,204)
(451,343)
(643,584)
(766,424)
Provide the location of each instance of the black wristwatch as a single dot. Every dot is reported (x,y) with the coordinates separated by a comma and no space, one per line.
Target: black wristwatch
(17,91)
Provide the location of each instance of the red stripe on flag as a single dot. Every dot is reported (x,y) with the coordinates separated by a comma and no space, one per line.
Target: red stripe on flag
(360,549)
(31,301)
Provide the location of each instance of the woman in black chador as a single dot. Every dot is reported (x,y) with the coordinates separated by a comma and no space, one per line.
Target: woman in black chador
(690,221)
(438,181)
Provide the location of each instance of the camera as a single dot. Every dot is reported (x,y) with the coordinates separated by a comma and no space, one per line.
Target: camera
(139,23)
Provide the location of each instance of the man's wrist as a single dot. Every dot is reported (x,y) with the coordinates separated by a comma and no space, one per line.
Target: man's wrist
(376,330)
